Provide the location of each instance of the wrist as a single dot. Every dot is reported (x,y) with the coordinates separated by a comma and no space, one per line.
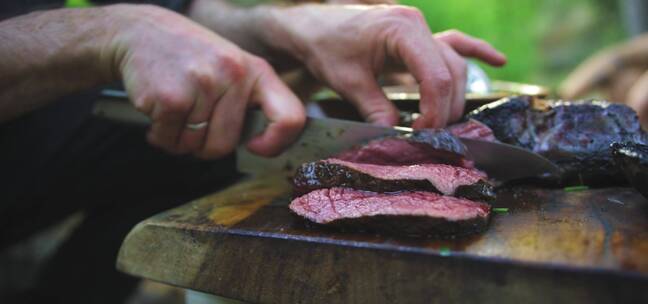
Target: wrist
(277,26)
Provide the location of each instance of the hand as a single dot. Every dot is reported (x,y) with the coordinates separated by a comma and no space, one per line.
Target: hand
(347,47)
(620,73)
(178,73)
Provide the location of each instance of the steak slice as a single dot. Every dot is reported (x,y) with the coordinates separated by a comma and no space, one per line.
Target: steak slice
(574,135)
(420,147)
(444,179)
(413,213)
(472,129)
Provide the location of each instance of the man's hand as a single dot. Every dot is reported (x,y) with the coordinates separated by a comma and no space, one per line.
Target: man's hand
(347,47)
(179,73)
(620,73)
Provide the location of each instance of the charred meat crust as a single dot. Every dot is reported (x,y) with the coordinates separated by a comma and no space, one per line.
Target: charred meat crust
(632,159)
(323,174)
(574,135)
(439,139)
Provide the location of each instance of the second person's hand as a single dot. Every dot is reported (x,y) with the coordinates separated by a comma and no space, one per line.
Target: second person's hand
(348,46)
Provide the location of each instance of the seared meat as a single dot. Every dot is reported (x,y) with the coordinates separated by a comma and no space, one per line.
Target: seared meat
(472,129)
(420,147)
(575,135)
(632,159)
(410,213)
(398,184)
(444,179)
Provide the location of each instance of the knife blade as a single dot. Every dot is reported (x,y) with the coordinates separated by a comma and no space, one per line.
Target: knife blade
(325,137)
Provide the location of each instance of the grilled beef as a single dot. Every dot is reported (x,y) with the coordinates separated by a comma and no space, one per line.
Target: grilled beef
(632,159)
(575,135)
(420,147)
(414,213)
(472,129)
(444,179)
(399,184)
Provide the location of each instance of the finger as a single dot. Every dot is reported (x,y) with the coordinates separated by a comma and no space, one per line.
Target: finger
(457,66)
(472,47)
(284,111)
(226,121)
(593,72)
(168,119)
(599,69)
(360,87)
(619,86)
(638,98)
(634,52)
(422,57)
(193,140)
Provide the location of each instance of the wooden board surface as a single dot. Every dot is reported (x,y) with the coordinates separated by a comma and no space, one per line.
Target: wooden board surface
(589,246)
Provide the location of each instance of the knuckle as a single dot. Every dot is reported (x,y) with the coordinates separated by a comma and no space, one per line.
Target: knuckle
(261,65)
(454,33)
(294,121)
(202,76)
(171,103)
(443,82)
(144,104)
(407,13)
(233,67)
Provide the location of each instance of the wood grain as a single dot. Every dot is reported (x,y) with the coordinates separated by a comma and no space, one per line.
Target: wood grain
(552,246)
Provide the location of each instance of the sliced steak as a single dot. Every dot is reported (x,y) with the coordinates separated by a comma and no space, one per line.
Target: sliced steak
(472,129)
(409,212)
(420,147)
(444,179)
(575,135)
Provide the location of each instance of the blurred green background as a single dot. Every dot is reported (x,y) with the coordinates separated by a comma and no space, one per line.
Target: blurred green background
(543,39)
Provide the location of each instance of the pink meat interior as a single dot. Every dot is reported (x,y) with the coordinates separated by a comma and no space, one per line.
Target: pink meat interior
(327,205)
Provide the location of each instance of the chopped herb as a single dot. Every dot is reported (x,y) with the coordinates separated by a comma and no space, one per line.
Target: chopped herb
(444,251)
(500,210)
(575,188)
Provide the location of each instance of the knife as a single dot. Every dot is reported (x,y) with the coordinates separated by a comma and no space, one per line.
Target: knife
(324,137)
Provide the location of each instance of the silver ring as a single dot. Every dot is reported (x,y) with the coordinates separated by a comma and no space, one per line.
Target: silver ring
(197,126)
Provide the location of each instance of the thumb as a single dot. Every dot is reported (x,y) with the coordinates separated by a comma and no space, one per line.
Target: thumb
(638,98)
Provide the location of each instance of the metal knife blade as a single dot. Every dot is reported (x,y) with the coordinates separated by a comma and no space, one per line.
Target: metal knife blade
(324,137)
(321,138)
(505,162)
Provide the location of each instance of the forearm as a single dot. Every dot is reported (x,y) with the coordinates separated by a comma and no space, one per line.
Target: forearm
(251,28)
(49,54)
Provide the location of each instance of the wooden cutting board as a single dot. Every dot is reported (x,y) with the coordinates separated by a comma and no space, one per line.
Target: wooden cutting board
(551,246)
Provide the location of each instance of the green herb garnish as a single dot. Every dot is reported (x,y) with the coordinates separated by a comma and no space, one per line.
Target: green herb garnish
(500,210)
(444,251)
(575,188)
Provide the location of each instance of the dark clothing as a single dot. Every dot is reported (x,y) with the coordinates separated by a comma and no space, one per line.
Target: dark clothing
(60,160)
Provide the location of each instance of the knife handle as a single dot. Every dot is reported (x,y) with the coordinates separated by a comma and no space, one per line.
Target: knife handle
(114,105)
